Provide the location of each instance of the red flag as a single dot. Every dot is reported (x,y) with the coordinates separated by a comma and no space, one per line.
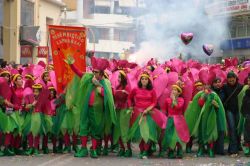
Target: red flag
(67,41)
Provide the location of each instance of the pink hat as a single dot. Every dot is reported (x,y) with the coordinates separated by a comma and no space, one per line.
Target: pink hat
(207,76)
(99,63)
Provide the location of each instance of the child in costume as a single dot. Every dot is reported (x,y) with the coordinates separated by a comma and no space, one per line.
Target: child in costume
(198,87)
(121,103)
(205,115)
(5,95)
(95,103)
(176,132)
(14,118)
(244,105)
(145,117)
(32,127)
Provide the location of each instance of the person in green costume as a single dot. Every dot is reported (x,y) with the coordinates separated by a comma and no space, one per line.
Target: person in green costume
(95,103)
(244,124)
(205,116)
(32,127)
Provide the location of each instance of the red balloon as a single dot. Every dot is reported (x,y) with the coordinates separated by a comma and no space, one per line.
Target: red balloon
(187,37)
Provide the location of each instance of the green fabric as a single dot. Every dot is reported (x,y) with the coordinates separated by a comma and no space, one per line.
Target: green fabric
(47,124)
(171,137)
(58,119)
(210,119)
(146,130)
(193,111)
(13,123)
(33,124)
(2,119)
(103,108)
(242,119)
(122,127)
(72,121)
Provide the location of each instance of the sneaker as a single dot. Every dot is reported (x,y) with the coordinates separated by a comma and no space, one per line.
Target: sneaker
(179,153)
(121,153)
(28,152)
(145,155)
(210,153)
(128,153)
(105,151)
(161,154)
(45,150)
(8,152)
(18,151)
(75,148)
(171,154)
(67,149)
(93,154)
(83,152)
(36,152)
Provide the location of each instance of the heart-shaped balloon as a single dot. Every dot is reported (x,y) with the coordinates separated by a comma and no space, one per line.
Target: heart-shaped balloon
(187,37)
(208,49)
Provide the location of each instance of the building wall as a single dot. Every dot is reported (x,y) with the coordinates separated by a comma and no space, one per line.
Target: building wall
(112,27)
(44,12)
(49,14)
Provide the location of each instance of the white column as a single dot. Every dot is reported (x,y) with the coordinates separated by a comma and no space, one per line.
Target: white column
(79,10)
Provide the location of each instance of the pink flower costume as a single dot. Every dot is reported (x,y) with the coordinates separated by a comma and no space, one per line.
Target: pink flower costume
(144,125)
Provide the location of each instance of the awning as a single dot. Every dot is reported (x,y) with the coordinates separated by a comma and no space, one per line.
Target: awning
(29,35)
(102,3)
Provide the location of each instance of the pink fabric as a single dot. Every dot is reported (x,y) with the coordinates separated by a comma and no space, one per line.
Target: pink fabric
(179,121)
(17,97)
(201,102)
(159,118)
(92,97)
(30,140)
(66,139)
(94,143)
(142,98)
(76,71)
(45,141)
(84,140)
(121,98)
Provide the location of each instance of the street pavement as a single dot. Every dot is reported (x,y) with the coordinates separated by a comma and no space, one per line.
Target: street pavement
(112,160)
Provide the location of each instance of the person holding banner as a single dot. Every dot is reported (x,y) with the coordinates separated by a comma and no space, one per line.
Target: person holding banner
(96,104)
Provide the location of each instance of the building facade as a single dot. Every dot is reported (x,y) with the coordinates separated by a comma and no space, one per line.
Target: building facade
(24,27)
(238,15)
(112,25)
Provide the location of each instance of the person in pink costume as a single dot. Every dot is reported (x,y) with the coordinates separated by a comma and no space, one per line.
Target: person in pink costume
(176,132)
(145,118)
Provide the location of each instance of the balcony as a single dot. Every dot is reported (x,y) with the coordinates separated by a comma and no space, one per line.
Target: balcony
(102,20)
(110,46)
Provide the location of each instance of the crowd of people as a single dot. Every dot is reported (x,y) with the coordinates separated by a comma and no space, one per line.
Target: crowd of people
(170,106)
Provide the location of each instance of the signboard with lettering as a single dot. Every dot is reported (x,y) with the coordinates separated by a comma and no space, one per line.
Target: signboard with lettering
(43,51)
(26,50)
(236,44)
(227,6)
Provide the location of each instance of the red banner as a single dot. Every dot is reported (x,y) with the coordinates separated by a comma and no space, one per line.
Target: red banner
(43,51)
(26,51)
(67,41)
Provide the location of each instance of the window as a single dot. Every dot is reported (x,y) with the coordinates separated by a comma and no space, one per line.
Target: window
(27,13)
(241,31)
(102,9)
(124,35)
(248,29)
(1,29)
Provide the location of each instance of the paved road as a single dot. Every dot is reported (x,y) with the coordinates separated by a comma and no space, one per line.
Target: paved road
(112,160)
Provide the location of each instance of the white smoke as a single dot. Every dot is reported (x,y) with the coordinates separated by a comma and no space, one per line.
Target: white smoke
(167,19)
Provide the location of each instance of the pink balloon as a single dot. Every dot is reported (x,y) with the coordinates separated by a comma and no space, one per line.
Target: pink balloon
(187,38)
(208,49)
